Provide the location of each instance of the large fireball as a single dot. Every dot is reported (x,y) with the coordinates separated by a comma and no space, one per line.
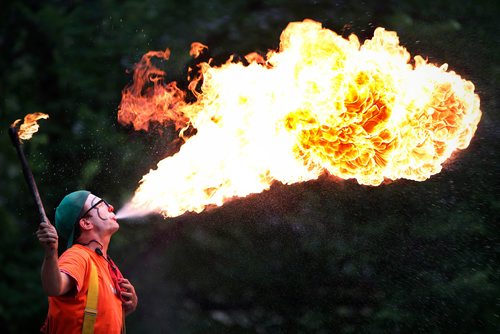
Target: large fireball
(320,104)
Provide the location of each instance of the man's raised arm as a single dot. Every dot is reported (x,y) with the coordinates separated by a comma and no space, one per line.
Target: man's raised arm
(54,282)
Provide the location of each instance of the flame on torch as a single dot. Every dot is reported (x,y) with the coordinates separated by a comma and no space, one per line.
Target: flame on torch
(26,131)
(320,104)
(29,125)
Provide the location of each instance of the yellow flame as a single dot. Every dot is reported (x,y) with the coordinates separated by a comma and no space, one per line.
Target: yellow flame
(29,125)
(321,103)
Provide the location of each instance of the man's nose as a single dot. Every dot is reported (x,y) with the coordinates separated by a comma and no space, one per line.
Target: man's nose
(111,208)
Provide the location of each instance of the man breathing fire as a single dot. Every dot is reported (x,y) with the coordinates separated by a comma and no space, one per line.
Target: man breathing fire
(87,292)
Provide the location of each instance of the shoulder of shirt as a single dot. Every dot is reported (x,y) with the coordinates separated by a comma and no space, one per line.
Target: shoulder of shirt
(78,251)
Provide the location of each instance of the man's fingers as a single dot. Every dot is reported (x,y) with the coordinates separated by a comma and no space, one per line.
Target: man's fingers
(47,240)
(127,286)
(46,229)
(46,234)
(126,295)
(49,235)
(44,225)
(128,304)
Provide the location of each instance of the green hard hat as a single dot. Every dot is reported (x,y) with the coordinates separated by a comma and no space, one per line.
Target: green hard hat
(68,212)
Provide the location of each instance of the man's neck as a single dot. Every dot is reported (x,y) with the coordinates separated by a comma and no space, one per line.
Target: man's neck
(94,244)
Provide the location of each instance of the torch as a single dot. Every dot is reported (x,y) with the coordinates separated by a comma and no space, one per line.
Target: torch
(25,132)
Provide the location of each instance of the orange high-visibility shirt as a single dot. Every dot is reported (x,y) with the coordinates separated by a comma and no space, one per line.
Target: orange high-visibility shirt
(66,312)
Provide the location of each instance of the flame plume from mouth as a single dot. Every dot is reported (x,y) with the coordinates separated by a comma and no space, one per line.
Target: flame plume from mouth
(320,104)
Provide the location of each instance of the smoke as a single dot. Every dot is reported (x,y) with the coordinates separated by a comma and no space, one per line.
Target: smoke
(129,212)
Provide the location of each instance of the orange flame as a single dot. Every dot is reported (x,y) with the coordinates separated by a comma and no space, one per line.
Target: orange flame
(196,49)
(29,125)
(147,101)
(321,103)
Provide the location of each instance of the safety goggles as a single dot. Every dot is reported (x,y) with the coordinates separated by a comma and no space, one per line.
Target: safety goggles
(109,206)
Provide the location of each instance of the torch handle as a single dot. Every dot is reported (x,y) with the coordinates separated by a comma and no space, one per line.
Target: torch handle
(28,175)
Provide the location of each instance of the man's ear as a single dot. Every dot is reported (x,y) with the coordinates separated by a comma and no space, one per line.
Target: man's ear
(85,224)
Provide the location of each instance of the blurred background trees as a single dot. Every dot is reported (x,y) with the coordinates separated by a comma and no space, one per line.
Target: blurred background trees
(317,257)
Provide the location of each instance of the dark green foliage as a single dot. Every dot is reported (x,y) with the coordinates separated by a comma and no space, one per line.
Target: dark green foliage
(318,257)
